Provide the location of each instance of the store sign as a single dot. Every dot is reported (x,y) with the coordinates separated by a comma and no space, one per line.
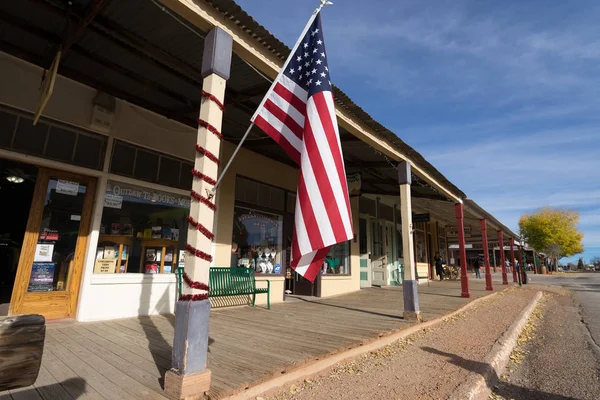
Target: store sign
(43,252)
(420,217)
(117,192)
(113,201)
(452,231)
(105,266)
(354,182)
(42,277)
(67,187)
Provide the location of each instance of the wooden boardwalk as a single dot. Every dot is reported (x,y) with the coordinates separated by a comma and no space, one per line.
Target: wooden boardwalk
(126,359)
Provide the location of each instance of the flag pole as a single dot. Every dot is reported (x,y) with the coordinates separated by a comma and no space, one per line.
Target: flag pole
(220,178)
(322,4)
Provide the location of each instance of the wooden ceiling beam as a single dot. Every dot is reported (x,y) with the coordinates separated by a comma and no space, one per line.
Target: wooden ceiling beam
(20,23)
(89,81)
(75,34)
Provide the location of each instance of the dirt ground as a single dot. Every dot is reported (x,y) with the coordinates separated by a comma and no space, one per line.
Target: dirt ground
(555,358)
(428,365)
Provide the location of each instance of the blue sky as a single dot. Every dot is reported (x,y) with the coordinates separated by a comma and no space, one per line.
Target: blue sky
(502,97)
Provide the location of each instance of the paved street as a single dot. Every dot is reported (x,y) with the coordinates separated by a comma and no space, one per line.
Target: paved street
(586,290)
(556,357)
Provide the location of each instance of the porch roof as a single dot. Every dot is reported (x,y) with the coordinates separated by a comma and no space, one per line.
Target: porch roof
(443,212)
(148,55)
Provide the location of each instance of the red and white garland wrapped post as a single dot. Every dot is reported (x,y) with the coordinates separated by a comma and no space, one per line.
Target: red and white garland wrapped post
(189,377)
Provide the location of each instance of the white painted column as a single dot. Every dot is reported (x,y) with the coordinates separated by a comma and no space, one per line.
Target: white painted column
(189,377)
(409,284)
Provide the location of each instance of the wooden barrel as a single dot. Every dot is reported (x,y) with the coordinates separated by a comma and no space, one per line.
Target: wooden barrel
(21,348)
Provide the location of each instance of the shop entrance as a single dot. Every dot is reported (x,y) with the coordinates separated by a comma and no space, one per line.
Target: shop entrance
(17,184)
(53,246)
(378,253)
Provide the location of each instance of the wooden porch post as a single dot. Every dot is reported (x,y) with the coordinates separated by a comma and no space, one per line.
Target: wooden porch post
(512,260)
(189,378)
(486,255)
(409,283)
(464,278)
(502,257)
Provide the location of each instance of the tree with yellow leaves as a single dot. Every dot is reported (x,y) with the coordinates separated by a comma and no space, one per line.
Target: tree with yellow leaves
(553,231)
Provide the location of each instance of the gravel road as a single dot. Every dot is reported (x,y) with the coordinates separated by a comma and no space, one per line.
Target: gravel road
(557,360)
(428,365)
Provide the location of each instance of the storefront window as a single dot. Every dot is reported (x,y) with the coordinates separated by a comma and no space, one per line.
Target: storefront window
(142,230)
(420,247)
(257,240)
(337,260)
(442,249)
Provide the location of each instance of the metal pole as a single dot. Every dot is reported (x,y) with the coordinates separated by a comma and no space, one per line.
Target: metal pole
(214,189)
(464,278)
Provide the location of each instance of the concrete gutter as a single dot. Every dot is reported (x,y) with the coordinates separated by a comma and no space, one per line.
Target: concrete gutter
(328,362)
(478,386)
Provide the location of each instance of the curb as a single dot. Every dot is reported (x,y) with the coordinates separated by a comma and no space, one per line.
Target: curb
(478,385)
(329,361)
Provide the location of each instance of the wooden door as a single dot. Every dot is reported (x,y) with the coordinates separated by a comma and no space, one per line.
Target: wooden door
(54,247)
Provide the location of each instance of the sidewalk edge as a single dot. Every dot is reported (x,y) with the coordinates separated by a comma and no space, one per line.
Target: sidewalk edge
(478,386)
(313,368)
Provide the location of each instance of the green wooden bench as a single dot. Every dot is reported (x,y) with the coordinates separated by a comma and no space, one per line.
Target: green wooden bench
(238,281)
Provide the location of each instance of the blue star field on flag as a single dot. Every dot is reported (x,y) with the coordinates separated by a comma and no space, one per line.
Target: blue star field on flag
(308,66)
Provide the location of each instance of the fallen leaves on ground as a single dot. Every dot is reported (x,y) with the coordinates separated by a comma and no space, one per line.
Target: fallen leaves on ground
(527,335)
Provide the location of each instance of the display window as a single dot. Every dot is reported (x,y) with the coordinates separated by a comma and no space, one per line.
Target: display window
(257,240)
(142,230)
(337,260)
(420,246)
(442,245)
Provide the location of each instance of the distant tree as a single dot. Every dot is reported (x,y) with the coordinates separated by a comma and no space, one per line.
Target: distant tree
(553,231)
(595,260)
(580,263)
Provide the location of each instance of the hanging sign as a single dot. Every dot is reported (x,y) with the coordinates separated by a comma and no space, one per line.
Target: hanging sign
(47,88)
(452,231)
(67,187)
(354,182)
(420,217)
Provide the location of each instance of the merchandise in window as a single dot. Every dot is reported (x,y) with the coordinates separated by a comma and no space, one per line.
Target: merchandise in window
(337,260)
(420,247)
(142,230)
(257,241)
(442,249)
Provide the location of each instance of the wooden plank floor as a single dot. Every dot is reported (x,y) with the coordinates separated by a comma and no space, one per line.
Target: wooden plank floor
(126,359)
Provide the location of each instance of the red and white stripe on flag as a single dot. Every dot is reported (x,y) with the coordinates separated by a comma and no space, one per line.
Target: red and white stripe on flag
(298,112)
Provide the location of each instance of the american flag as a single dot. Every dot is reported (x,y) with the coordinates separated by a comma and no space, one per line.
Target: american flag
(299,114)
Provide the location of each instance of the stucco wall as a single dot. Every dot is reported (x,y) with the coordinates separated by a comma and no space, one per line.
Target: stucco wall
(72,103)
(130,295)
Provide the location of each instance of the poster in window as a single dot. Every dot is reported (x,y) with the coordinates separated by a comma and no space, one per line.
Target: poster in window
(42,277)
(67,187)
(43,252)
(105,266)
